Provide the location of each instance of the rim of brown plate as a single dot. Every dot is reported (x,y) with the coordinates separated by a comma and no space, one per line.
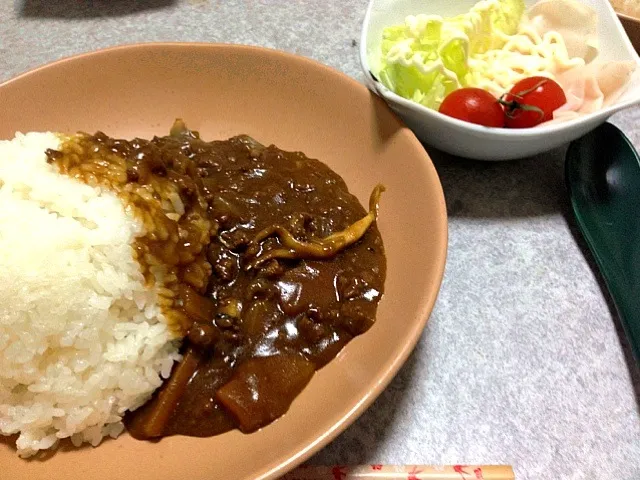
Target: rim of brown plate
(626,16)
(274,468)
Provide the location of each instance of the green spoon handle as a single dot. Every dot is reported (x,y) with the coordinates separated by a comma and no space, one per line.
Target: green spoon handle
(603,178)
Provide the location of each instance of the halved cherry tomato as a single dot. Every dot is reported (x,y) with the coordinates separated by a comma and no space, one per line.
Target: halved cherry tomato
(474,105)
(532,101)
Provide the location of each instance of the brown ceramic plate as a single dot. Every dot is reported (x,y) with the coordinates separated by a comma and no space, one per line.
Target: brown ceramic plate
(632,27)
(630,21)
(298,104)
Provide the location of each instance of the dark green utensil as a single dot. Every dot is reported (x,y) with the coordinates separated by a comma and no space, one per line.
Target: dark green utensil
(603,177)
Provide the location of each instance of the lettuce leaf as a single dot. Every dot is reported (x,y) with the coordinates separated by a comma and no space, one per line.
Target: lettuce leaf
(427,57)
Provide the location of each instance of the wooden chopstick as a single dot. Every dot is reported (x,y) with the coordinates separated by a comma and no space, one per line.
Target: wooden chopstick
(403,472)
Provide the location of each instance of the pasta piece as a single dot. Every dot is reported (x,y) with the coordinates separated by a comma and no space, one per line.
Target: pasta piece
(557,36)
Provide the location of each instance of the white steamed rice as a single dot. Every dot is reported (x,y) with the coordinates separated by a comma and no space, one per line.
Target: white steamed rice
(82,339)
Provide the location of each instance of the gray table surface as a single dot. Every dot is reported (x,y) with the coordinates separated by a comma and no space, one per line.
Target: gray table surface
(523,361)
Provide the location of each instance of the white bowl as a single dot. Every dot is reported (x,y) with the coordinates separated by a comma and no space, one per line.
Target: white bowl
(475,141)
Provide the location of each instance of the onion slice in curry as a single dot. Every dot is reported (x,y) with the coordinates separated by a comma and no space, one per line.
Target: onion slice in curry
(326,247)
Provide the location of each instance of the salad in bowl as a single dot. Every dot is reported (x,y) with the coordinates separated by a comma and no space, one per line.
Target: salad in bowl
(500,71)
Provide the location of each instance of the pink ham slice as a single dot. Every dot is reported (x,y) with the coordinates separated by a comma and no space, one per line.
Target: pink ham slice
(597,84)
(591,88)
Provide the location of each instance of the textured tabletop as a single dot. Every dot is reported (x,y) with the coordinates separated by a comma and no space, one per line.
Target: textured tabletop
(523,361)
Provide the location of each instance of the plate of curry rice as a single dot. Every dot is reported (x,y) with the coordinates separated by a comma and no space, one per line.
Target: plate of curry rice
(221,255)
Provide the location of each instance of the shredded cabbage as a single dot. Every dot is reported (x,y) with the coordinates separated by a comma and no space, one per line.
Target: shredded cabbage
(428,57)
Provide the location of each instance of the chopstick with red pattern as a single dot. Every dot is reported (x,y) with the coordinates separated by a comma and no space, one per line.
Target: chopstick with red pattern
(404,472)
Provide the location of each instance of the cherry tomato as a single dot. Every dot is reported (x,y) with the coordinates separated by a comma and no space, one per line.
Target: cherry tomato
(532,101)
(474,105)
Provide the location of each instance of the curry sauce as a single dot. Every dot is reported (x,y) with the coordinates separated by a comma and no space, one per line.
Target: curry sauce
(273,267)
